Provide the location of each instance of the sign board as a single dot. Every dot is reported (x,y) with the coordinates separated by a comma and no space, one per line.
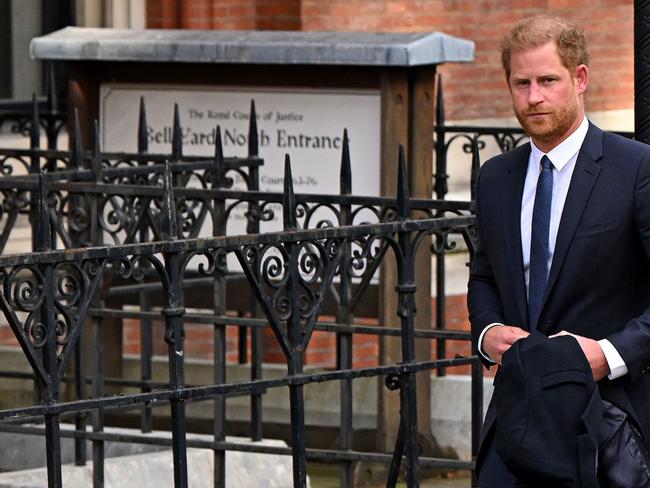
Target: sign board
(306,124)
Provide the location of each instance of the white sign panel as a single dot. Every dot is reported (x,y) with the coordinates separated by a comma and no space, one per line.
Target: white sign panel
(306,124)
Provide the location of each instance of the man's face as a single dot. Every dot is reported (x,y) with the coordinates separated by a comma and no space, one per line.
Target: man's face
(546,97)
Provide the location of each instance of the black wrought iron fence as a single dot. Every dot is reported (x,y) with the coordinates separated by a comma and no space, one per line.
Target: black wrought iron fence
(17,115)
(327,252)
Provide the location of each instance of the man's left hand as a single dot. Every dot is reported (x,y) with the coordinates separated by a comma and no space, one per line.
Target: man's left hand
(594,354)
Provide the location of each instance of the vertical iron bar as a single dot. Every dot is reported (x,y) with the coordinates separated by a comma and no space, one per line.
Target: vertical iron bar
(146,359)
(80,346)
(174,331)
(98,392)
(219,302)
(406,311)
(35,169)
(477,411)
(146,325)
(49,391)
(441,188)
(294,333)
(641,70)
(80,391)
(253,227)
(242,345)
(219,405)
(344,351)
(174,337)
(441,292)
(476,165)
(97,384)
(398,452)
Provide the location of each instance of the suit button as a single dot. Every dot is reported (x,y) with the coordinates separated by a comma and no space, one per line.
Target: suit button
(645,368)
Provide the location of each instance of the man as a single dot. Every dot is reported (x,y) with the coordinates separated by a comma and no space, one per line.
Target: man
(564,225)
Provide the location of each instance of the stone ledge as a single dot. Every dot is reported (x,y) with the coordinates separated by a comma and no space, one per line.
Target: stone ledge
(150,469)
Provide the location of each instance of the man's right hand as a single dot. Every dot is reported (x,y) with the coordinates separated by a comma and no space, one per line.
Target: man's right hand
(499,338)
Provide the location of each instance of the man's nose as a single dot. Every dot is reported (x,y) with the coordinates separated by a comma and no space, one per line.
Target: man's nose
(535,95)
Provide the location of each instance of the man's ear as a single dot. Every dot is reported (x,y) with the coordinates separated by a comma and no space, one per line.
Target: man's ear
(582,78)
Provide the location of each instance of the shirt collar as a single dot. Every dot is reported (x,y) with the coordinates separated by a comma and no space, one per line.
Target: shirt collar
(566,150)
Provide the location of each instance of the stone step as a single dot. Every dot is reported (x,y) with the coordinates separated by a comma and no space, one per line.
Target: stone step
(150,469)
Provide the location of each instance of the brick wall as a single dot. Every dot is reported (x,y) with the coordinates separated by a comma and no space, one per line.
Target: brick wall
(478,90)
(473,91)
(224,14)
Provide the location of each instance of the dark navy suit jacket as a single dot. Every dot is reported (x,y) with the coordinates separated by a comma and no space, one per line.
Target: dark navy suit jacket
(599,281)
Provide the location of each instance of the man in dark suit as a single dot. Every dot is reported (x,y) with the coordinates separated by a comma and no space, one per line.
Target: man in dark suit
(564,225)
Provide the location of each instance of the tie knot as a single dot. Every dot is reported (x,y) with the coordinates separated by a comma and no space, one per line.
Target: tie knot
(546,162)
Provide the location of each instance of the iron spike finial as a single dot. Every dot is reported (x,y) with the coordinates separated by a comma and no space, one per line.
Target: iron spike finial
(440,104)
(43,235)
(403,199)
(77,152)
(143,142)
(177,136)
(219,163)
(253,140)
(35,132)
(288,199)
(168,229)
(96,159)
(346,170)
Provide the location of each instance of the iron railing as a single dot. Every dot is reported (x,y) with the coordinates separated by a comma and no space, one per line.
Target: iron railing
(326,253)
(17,114)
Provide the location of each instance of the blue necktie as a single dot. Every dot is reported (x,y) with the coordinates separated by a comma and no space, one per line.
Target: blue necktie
(539,249)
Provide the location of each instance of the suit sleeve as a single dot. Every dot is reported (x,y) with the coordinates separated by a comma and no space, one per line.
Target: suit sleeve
(633,342)
(483,298)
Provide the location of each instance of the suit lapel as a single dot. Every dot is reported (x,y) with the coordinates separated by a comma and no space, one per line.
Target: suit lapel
(513,189)
(584,177)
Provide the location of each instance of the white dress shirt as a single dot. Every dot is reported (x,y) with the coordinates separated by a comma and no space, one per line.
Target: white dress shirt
(563,157)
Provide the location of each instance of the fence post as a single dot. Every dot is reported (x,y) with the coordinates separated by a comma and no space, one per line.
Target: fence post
(97,385)
(344,315)
(406,310)
(253,227)
(294,334)
(174,332)
(219,290)
(46,330)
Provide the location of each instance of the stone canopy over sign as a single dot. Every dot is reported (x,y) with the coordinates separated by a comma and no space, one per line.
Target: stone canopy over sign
(253,47)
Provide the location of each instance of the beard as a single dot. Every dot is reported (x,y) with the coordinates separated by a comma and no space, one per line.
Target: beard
(555,124)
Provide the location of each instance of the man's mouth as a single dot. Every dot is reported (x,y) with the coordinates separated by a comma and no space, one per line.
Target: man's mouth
(536,115)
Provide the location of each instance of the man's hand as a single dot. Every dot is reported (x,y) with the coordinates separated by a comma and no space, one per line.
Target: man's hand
(594,354)
(498,340)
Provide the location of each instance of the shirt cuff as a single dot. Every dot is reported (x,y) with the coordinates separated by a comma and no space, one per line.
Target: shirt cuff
(480,343)
(617,366)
